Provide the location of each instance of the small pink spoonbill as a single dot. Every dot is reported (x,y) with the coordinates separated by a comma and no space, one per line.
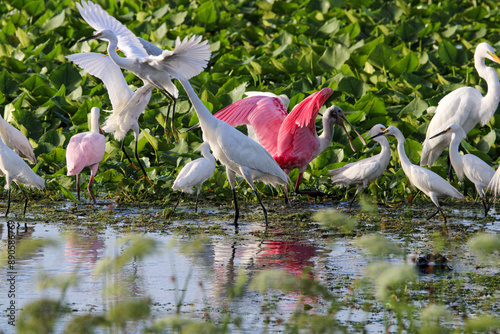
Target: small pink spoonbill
(86,150)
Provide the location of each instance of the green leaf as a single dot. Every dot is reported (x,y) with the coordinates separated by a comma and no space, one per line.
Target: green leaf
(54,22)
(53,137)
(408,64)
(448,52)
(34,8)
(67,75)
(206,15)
(415,108)
(383,57)
(7,83)
(353,86)
(151,139)
(334,57)
(68,194)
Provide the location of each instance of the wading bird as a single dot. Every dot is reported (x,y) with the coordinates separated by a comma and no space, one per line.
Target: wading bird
(240,154)
(194,173)
(188,59)
(127,105)
(290,138)
(427,181)
(86,150)
(361,172)
(475,169)
(464,106)
(16,141)
(15,169)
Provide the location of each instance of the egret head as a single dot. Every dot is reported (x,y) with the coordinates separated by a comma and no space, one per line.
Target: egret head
(335,115)
(376,130)
(453,128)
(105,34)
(392,131)
(203,146)
(484,50)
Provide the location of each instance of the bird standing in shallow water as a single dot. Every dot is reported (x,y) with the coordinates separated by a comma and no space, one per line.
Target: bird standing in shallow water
(194,173)
(188,59)
(127,105)
(290,138)
(361,172)
(240,154)
(16,141)
(475,169)
(86,150)
(15,169)
(464,106)
(425,180)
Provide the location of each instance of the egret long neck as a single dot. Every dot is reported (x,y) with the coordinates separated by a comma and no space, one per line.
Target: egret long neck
(405,161)
(489,103)
(326,137)
(455,157)
(385,152)
(207,120)
(94,120)
(120,61)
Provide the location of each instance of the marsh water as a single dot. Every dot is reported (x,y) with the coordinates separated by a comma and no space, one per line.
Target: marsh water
(197,286)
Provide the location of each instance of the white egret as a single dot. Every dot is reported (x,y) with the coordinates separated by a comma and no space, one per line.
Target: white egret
(361,172)
(464,106)
(475,169)
(188,59)
(15,169)
(194,173)
(86,149)
(240,154)
(17,142)
(427,181)
(127,105)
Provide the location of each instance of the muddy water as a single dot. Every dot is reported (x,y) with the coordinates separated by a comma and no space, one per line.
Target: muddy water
(206,278)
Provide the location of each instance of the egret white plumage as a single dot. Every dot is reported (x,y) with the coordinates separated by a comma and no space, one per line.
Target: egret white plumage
(427,181)
(16,170)
(127,105)
(194,173)
(189,57)
(86,149)
(475,169)
(361,172)
(464,106)
(240,154)
(17,142)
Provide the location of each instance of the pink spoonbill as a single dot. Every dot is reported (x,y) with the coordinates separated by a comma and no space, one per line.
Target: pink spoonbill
(86,150)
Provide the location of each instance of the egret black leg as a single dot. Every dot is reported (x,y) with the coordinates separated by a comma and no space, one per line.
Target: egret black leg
(486,205)
(236,210)
(25,199)
(435,213)
(262,205)
(450,170)
(196,203)
(177,203)
(140,164)
(126,155)
(306,192)
(171,107)
(355,195)
(8,203)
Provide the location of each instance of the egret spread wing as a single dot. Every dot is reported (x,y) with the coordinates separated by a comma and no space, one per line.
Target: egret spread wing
(99,19)
(150,48)
(105,69)
(264,114)
(189,58)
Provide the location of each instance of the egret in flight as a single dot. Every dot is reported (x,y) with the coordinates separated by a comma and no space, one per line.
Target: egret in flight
(427,181)
(240,154)
(189,57)
(464,106)
(475,169)
(16,141)
(86,149)
(361,172)
(290,138)
(15,169)
(194,173)
(127,105)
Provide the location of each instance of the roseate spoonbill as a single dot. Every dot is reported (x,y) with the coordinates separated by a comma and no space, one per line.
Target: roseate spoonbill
(188,59)
(194,173)
(127,105)
(464,106)
(427,181)
(15,169)
(290,138)
(361,172)
(240,154)
(86,150)
(16,141)
(475,169)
